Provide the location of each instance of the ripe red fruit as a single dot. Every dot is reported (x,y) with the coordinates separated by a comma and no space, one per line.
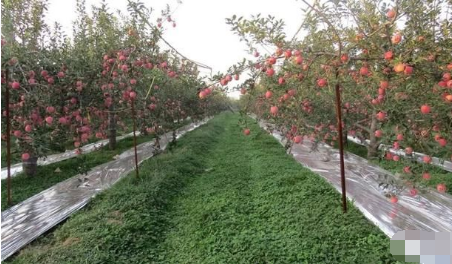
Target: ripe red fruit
(298,60)
(321,82)
(442,142)
(427,159)
(15,85)
(425,109)
(77,144)
(394,199)
(246,132)
(408,70)
(270,72)
(63,120)
(49,120)
(344,58)
(132,95)
(274,110)
(446,76)
(378,133)
(399,137)
(60,74)
(17,133)
(388,55)
(202,95)
(441,188)
(384,84)
(381,116)
(256,54)
(292,92)
(228,78)
(50,109)
(133,81)
(28,128)
(426,176)
(25,156)
(268,94)
(407,169)
(236,77)
(152,107)
(288,53)
(281,80)
(395,158)
(44,73)
(391,14)
(271,60)
(396,145)
(364,71)
(413,192)
(396,38)
(297,139)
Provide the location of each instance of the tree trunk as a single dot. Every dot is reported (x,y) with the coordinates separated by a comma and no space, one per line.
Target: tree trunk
(112,127)
(372,147)
(30,166)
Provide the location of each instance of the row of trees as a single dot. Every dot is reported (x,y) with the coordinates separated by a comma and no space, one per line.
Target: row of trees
(111,71)
(392,61)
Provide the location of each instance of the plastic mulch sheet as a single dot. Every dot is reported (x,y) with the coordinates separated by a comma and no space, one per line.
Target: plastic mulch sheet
(26,221)
(430,211)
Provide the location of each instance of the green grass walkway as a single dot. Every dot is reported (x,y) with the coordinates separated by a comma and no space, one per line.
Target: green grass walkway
(217,197)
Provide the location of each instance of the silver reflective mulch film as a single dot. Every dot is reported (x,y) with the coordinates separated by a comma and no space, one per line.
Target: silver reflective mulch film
(430,211)
(26,221)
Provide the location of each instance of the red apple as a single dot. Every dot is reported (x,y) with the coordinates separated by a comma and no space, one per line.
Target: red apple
(268,94)
(441,188)
(321,82)
(49,120)
(426,176)
(381,116)
(427,159)
(270,72)
(15,85)
(396,38)
(394,199)
(25,156)
(388,55)
(391,14)
(246,132)
(297,139)
(378,133)
(274,110)
(425,109)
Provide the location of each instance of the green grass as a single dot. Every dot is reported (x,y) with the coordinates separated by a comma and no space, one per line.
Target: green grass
(24,187)
(216,197)
(438,175)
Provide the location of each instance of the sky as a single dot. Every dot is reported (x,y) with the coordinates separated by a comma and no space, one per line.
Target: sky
(201,33)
